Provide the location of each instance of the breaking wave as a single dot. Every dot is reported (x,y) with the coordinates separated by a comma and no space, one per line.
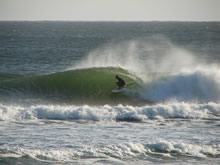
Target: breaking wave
(95,85)
(198,85)
(111,113)
(167,150)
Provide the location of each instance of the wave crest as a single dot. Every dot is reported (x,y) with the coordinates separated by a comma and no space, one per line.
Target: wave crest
(111,113)
(165,149)
(199,85)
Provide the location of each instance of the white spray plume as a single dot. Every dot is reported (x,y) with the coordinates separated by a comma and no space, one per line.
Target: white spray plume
(199,84)
(153,55)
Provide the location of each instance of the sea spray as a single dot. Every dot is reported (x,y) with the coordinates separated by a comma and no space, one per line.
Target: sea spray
(197,85)
(157,54)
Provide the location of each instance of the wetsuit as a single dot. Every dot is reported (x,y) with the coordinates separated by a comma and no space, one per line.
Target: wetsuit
(121,83)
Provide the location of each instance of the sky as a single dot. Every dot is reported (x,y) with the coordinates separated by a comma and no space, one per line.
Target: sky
(111,10)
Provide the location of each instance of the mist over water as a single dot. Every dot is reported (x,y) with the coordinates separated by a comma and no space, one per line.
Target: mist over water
(156,54)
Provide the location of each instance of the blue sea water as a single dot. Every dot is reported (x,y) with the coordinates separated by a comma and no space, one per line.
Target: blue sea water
(57,104)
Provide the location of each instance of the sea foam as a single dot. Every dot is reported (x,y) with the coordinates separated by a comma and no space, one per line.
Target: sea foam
(128,150)
(111,113)
(198,85)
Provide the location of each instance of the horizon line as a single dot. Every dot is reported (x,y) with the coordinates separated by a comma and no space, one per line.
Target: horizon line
(109,20)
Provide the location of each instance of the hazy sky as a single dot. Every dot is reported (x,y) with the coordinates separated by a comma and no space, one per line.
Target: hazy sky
(116,10)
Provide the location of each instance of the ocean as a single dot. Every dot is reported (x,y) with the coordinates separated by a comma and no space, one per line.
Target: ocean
(57,99)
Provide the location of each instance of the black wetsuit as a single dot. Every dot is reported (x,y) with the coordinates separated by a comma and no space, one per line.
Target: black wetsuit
(121,83)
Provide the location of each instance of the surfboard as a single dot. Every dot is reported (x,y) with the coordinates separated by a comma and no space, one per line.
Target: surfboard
(117,90)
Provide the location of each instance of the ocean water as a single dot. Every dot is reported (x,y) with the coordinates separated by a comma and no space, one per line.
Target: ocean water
(57,104)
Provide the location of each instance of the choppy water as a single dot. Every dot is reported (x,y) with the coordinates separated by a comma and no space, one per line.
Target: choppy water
(57,104)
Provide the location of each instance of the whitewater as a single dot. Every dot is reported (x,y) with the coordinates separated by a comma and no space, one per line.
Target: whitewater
(57,104)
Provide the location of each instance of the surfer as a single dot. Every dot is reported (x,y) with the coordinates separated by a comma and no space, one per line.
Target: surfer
(121,83)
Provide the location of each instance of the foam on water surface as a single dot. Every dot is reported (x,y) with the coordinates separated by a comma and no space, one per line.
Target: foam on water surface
(183,110)
(125,151)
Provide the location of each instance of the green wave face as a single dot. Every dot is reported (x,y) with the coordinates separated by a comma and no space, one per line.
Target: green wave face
(93,85)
